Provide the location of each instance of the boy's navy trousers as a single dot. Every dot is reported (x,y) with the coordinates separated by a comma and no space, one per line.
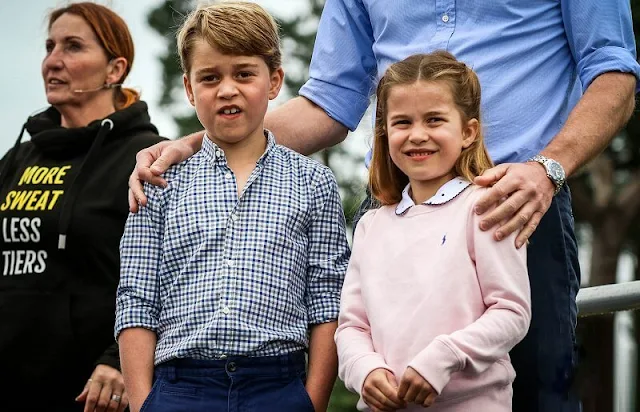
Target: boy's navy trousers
(234,384)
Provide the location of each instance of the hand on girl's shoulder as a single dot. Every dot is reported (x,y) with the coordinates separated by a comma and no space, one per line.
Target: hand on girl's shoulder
(476,193)
(477,190)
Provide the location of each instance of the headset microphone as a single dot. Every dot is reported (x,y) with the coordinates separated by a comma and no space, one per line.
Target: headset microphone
(104,86)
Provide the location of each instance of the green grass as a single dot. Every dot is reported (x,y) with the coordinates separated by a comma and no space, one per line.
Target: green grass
(341,399)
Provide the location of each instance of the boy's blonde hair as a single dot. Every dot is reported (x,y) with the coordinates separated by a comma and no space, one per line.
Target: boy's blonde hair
(386,180)
(237,28)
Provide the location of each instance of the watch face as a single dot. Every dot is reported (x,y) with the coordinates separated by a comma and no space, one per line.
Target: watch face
(555,171)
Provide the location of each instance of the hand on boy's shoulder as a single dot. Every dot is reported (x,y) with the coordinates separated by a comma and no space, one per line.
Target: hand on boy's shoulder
(174,177)
(152,164)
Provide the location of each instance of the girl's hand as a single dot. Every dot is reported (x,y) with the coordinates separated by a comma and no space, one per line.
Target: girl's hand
(414,388)
(380,391)
(104,391)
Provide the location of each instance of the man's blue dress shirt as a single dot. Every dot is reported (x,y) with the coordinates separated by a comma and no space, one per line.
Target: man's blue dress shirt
(534,58)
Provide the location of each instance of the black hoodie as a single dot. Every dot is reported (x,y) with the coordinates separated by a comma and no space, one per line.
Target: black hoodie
(63,206)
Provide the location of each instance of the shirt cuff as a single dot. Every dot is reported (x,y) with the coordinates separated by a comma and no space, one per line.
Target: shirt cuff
(607,59)
(134,319)
(323,308)
(436,363)
(344,105)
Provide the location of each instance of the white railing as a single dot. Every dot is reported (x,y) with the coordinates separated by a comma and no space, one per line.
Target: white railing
(597,300)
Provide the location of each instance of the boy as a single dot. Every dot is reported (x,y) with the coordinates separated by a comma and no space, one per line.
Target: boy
(225,269)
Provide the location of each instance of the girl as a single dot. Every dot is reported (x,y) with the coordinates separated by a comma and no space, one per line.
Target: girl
(431,305)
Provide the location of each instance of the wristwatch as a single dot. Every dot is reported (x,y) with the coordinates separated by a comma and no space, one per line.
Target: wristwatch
(555,171)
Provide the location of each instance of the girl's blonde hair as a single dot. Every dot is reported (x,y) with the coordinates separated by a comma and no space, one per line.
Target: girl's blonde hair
(386,180)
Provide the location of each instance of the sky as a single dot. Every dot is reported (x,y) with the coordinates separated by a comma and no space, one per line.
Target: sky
(22,39)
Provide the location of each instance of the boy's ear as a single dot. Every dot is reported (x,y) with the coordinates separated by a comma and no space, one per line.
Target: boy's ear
(188,89)
(470,133)
(276,79)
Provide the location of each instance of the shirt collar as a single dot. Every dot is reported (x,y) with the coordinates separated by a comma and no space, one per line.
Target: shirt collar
(448,191)
(214,153)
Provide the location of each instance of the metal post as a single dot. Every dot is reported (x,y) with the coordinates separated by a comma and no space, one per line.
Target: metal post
(598,300)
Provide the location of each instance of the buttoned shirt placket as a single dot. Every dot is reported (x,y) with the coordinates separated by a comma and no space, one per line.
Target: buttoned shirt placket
(230,275)
(445,23)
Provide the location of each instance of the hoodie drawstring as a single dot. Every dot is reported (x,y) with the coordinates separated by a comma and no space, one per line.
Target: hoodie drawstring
(12,156)
(78,181)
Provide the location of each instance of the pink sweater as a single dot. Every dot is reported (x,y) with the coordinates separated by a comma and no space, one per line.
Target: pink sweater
(432,291)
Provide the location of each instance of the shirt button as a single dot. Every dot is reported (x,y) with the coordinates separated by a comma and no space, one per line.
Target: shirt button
(230,263)
(227,176)
(234,217)
(226,310)
(445,18)
(218,153)
(223,356)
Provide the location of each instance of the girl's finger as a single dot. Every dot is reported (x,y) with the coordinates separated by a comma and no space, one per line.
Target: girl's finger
(422,395)
(372,402)
(430,399)
(381,400)
(412,392)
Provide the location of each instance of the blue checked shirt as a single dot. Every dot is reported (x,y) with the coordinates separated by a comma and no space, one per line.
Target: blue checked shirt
(217,274)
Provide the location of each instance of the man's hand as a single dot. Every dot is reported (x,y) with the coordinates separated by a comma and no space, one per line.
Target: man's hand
(104,391)
(150,164)
(414,388)
(379,391)
(527,193)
